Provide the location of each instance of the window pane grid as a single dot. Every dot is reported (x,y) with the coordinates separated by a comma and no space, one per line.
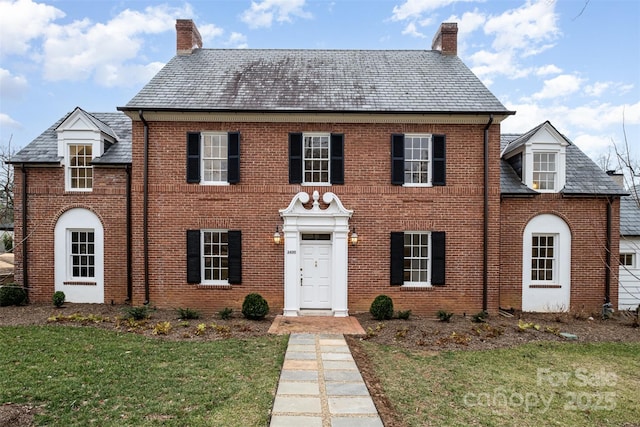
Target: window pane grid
(215,252)
(544,171)
(80,169)
(316,158)
(214,157)
(82,254)
(627,260)
(417,159)
(416,257)
(542,257)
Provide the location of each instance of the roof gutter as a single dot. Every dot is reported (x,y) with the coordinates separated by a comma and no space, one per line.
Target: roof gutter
(485,220)
(145,207)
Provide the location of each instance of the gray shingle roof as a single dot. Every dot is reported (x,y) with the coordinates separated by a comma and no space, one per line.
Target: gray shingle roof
(316,80)
(44,149)
(630,214)
(583,176)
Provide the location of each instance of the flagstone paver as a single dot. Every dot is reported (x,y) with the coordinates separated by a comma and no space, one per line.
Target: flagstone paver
(325,390)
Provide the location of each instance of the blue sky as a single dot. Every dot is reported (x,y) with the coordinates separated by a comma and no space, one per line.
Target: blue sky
(573,62)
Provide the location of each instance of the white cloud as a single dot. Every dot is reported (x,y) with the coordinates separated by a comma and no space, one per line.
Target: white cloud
(7,121)
(547,69)
(209,32)
(127,75)
(12,87)
(21,22)
(599,88)
(83,49)
(237,41)
(413,9)
(262,14)
(412,30)
(562,85)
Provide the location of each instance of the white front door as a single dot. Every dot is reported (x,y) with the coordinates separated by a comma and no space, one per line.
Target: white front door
(315,274)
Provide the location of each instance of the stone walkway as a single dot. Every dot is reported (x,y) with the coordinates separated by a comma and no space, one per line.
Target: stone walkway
(320,386)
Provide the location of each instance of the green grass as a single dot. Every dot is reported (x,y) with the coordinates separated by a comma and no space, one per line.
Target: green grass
(550,384)
(89,376)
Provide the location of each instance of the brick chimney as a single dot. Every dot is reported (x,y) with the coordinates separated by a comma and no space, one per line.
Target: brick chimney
(446,39)
(187,37)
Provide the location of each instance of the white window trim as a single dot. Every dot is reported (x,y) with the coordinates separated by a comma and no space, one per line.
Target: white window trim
(426,284)
(203,281)
(69,255)
(555,188)
(429,182)
(633,260)
(202,159)
(554,270)
(67,168)
(317,184)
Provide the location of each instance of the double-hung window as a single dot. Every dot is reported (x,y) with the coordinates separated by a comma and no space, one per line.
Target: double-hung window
(80,171)
(418,258)
(82,254)
(214,257)
(213,158)
(316,158)
(418,159)
(544,171)
(543,258)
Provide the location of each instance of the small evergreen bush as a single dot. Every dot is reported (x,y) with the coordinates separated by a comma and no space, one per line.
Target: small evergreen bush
(480,317)
(444,315)
(382,308)
(404,314)
(137,313)
(7,241)
(255,307)
(58,298)
(225,313)
(12,294)
(187,313)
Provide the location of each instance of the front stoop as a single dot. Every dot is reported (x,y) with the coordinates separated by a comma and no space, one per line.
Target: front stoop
(316,325)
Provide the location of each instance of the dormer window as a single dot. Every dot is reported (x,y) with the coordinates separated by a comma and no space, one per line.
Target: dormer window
(538,157)
(81,138)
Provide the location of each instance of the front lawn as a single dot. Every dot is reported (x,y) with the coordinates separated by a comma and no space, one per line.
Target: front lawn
(550,384)
(89,376)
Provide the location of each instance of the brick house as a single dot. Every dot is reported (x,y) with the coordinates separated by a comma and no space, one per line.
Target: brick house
(319,179)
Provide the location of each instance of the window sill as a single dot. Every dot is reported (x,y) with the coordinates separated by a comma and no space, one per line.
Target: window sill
(409,288)
(79,283)
(316,184)
(214,286)
(214,183)
(69,191)
(417,185)
(543,286)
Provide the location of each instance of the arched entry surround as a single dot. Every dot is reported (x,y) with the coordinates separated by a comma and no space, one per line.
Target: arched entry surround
(333,220)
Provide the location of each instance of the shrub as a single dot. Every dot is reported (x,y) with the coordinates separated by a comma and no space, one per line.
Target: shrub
(187,313)
(255,307)
(7,241)
(162,328)
(444,315)
(382,308)
(404,314)
(58,298)
(12,294)
(137,313)
(480,317)
(225,313)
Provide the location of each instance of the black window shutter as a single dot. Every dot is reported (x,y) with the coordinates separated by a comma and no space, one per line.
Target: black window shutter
(233,157)
(397,159)
(437,258)
(235,256)
(193,157)
(295,158)
(439,160)
(193,256)
(337,158)
(397,258)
